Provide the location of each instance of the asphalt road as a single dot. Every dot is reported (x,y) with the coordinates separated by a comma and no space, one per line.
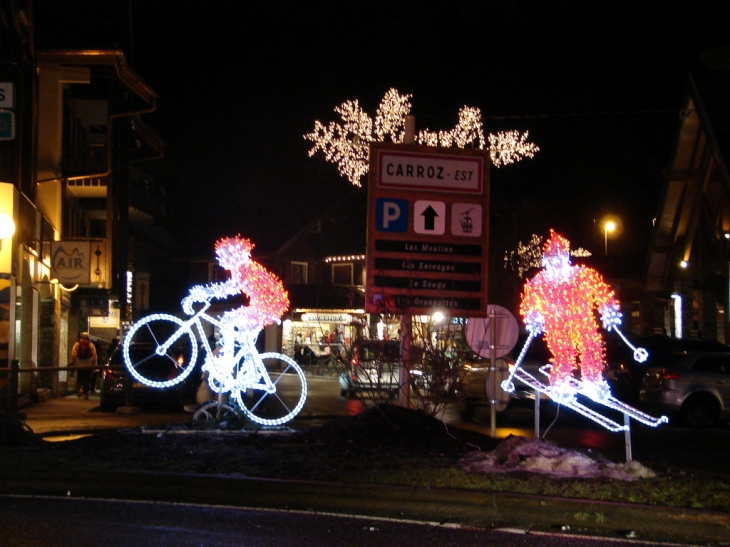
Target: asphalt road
(54,521)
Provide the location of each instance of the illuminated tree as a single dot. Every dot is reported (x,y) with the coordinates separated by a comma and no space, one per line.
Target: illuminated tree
(347,144)
(529,255)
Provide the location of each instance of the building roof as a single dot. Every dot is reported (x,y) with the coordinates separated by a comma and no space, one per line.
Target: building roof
(338,231)
(694,207)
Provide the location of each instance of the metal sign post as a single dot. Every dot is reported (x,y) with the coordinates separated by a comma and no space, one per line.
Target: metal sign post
(404,394)
(537,413)
(493,337)
(492,378)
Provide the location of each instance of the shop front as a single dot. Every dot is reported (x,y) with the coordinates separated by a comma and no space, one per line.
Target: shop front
(316,333)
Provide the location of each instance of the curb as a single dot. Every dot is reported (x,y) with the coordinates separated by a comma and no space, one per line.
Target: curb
(446,506)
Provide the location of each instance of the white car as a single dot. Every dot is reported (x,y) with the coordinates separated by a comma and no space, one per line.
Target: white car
(693,386)
(373,367)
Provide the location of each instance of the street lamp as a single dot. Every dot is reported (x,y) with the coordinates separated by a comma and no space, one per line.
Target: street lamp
(608,226)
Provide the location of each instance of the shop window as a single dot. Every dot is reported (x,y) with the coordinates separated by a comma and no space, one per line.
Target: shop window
(299,273)
(342,274)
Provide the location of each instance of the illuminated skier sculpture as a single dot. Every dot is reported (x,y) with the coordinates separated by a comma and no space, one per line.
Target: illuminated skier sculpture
(560,302)
(270,388)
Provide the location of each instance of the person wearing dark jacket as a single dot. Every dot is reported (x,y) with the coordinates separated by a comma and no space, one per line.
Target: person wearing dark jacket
(83,354)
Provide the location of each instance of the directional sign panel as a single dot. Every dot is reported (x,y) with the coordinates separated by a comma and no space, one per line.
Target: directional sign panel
(429,217)
(427,230)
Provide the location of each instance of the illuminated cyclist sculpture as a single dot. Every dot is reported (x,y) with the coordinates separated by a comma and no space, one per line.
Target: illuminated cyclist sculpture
(270,388)
(560,302)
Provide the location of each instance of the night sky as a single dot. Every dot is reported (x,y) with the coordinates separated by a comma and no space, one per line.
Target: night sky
(597,84)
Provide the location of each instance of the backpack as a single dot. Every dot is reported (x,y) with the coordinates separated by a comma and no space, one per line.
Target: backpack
(83,351)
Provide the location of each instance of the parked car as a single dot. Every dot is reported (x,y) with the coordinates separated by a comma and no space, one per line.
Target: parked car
(625,375)
(472,392)
(374,366)
(692,386)
(115,378)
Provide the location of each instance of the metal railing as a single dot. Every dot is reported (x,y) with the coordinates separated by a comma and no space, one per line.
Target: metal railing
(42,380)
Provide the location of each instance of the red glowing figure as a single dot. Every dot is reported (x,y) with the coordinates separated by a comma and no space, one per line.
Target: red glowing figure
(560,301)
(267,298)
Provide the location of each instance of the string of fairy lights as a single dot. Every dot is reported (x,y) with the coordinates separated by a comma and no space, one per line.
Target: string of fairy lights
(346,143)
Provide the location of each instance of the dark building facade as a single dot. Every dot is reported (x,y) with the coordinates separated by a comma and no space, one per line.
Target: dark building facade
(71,180)
(686,284)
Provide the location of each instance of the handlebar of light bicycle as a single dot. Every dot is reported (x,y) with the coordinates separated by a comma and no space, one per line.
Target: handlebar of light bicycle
(188,302)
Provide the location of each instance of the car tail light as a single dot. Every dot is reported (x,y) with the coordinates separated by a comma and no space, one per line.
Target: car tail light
(669,375)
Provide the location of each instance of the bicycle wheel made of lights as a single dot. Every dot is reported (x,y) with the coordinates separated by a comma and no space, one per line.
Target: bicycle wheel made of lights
(285,402)
(144,356)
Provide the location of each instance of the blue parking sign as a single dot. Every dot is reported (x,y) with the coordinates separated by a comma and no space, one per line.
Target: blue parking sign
(391,215)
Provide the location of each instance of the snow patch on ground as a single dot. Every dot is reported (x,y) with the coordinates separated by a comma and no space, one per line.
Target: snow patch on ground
(547,458)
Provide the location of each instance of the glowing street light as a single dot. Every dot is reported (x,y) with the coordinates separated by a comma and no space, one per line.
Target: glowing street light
(7,228)
(608,226)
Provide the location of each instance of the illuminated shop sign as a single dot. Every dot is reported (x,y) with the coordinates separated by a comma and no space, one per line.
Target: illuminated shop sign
(326,318)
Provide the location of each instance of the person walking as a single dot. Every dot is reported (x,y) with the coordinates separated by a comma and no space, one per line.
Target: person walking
(83,354)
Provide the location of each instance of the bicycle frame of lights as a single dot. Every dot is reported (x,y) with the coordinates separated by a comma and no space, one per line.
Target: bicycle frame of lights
(238,366)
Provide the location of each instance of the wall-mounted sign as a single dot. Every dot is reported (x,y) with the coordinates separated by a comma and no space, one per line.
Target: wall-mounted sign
(96,306)
(82,262)
(71,262)
(142,290)
(109,321)
(427,230)
(7,125)
(322,317)
(7,95)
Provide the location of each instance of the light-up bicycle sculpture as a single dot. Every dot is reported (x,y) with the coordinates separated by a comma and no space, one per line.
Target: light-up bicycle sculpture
(270,388)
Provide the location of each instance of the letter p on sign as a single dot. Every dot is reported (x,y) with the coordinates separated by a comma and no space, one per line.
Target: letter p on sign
(391,215)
